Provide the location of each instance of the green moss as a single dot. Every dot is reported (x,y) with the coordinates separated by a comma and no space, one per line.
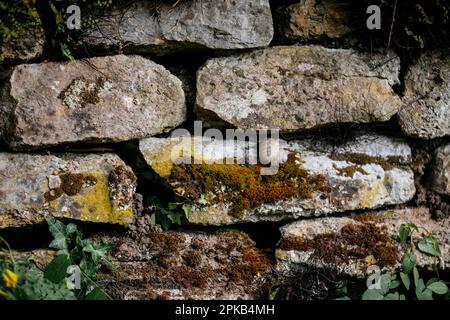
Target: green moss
(244,186)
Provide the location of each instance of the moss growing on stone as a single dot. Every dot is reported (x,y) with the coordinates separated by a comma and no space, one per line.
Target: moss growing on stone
(72,183)
(349,171)
(353,241)
(244,186)
(387,163)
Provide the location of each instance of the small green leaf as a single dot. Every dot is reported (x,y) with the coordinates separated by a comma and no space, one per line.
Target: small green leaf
(406,230)
(56,270)
(385,282)
(416,278)
(438,287)
(187,210)
(97,294)
(430,246)
(392,296)
(372,294)
(394,284)
(409,261)
(405,280)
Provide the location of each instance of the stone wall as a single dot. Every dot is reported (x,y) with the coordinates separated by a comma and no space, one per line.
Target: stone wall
(363,132)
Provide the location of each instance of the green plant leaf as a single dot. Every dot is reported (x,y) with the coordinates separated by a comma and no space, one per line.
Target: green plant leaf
(405,280)
(99,253)
(409,261)
(97,294)
(394,284)
(430,246)
(406,230)
(372,294)
(56,270)
(416,277)
(392,296)
(438,287)
(187,210)
(58,231)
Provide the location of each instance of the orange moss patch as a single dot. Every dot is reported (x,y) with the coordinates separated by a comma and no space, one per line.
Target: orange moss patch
(387,163)
(244,186)
(353,241)
(349,171)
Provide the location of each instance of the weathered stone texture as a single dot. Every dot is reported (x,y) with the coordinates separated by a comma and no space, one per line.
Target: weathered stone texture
(107,99)
(298,87)
(157,26)
(95,188)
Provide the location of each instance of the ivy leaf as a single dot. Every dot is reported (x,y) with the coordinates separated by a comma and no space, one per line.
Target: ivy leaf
(405,279)
(58,231)
(416,277)
(430,246)
(99,253)
(392,296)
(97,294)
(372,294)
(56,270)
(406,230)
(175,217)
(187,210)
(438,287)
(409,262)
(394,284)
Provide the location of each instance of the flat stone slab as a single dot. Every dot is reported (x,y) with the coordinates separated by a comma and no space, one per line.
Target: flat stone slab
(314,177)
(426,110)
(295,88)
(441,170)
(152,26)
(94,187)
(185,265)
(350,245)
(106,99)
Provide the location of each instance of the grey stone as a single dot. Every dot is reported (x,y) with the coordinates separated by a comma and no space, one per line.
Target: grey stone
(157,26)
(441,170)
(96,188)
(331,242)
(368,173)
(107,99)
(426,110)
(298,87)
(26,46)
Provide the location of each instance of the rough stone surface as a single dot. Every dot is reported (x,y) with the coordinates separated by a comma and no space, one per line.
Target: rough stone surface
(27,46)
(298,87)
(313,19)
(441,170)
(158,26)
(96,188)
(304,243)
(426,110)
(153,264)
(106,99)
(368,173)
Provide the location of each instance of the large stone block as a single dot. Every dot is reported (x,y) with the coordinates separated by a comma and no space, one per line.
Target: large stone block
(106,99)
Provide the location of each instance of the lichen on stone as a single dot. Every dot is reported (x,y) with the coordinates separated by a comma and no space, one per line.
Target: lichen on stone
(81,92)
